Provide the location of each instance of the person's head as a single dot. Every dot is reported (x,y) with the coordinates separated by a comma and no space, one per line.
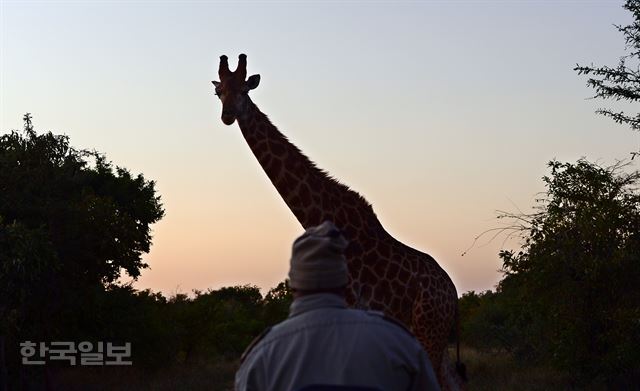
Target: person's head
(318,264)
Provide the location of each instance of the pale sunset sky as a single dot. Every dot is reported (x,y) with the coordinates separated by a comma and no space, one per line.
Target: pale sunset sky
(438,112)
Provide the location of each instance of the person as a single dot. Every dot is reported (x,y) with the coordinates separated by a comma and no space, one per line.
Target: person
(323,345)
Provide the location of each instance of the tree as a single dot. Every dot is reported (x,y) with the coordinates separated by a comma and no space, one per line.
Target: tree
(97,220)
(576,276)
(620,83)
(69,223)
(277,302)
(484,321)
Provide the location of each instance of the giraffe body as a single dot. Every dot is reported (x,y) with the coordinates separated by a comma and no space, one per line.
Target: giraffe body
(384,274)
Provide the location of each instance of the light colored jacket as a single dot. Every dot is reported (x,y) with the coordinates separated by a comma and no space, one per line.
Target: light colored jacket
(324,342)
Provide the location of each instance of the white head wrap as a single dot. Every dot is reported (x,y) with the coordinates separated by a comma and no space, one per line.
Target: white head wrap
(317,259)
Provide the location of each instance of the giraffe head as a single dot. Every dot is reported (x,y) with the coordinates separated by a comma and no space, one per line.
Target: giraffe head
(233,89)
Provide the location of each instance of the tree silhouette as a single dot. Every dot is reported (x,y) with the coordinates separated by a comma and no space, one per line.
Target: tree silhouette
(575,280)
(620,83)
(70,223)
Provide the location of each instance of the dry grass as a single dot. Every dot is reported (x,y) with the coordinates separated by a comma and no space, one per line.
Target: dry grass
(499,371)
(495,371)
(216,375)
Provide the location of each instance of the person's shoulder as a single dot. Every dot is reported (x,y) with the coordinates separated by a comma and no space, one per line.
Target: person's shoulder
(254,343)
(390,321)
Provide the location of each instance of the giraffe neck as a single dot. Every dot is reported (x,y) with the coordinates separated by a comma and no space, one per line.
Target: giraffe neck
(309,192)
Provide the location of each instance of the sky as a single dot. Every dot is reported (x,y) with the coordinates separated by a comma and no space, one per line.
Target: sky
(440,113)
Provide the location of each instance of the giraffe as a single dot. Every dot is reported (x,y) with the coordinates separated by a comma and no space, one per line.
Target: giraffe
(384,274)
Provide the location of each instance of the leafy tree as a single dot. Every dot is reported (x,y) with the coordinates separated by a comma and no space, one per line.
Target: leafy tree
(575,280)
(69,223)
(97,220)
(122,314)
(620,83)
(485,321)
(239,318)
(277,302)
(216,323)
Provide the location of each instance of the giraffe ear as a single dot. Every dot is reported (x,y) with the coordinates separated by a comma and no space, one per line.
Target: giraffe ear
(252,82)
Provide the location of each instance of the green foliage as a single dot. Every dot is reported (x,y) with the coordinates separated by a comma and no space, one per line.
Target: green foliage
(277,302)
(580,269)
(207,327)
(25,260)
(569,296)
(121,314)
(485,321)
(620,83)
(210,326)
(96,221)
(69,224)
(220,322)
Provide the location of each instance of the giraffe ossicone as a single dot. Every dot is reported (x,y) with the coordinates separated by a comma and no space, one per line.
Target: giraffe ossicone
(384,274)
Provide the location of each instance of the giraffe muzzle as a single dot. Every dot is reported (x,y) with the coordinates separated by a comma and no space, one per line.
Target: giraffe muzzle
(228,119)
